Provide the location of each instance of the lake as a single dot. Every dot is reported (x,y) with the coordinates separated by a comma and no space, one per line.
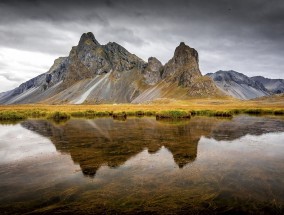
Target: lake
(141,165)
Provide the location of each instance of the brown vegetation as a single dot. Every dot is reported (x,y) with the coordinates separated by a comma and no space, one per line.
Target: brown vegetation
(209,107)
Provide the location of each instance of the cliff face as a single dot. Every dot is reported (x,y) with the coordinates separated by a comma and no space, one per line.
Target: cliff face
(183,69)
(181,79)
(95,73)
(152,71)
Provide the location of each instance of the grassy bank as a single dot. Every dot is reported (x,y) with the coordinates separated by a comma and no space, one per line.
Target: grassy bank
(173,114)
(160,109)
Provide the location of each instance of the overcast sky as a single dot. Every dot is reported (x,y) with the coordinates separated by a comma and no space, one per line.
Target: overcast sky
(242,35)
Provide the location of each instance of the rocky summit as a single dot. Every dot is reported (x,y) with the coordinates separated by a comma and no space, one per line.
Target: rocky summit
(95,73)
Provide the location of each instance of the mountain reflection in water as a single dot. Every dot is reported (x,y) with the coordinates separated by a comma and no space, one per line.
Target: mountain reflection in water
(104,141)
(142,166)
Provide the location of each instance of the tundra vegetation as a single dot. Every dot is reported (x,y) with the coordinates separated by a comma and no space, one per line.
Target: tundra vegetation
(164,108)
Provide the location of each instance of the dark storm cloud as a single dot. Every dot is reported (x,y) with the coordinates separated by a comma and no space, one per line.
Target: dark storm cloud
(244,18)
(247,36)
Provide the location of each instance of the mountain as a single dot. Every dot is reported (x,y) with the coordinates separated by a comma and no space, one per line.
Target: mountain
(238,85)
(275,86)
(95,73)
(181,79)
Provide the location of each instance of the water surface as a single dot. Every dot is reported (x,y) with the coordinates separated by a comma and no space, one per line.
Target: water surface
(199,166)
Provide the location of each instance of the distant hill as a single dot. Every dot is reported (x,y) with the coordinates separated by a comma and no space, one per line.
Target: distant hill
(275,86)
(95,73)
(239,85)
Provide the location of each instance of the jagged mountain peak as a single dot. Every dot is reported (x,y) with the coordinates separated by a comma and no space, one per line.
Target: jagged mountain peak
(185,54)
(183,67)
(89,39)
(115,48)
(95,73)
(152,71)
(154,61)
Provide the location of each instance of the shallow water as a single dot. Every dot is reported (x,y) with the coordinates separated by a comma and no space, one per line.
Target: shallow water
(199,166)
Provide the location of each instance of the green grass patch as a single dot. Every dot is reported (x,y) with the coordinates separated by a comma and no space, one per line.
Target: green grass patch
(36,113)
(258,111)
(212,113)
(58,116)
(253,111)
(150,113)
(174,114)
(90,113)
(119,116)
(10,122)
(138,113)
(279,112)
(12,115)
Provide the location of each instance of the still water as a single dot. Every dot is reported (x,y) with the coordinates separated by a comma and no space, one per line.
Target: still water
(92,166)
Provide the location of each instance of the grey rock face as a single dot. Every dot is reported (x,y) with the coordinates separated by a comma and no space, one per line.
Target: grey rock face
(122,60)
(275,86)
(238,85)
(88,38)
(86,61)
(89,59)
(152,71)
(40,83)
(183,68)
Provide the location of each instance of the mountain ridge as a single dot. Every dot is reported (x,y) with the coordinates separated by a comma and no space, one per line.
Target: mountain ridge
(275,86)
(95,73)
(243,87)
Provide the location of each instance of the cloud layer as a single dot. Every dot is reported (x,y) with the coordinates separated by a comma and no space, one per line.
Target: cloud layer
(246,36)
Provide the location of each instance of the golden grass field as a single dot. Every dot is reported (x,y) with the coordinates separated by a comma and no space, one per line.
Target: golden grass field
(209,106)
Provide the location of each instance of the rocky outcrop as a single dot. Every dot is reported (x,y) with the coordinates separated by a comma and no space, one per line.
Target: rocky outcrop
(238,85)
(152,71)
(89,59)
(95,73)
(181,79)
(183,68)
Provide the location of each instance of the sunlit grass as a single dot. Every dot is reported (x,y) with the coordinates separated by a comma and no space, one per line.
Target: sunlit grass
(217,113)
(12,115)
(207,107)
(173,114)
(58,116)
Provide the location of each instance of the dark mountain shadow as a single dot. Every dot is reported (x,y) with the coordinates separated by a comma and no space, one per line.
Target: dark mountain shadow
(104,141)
